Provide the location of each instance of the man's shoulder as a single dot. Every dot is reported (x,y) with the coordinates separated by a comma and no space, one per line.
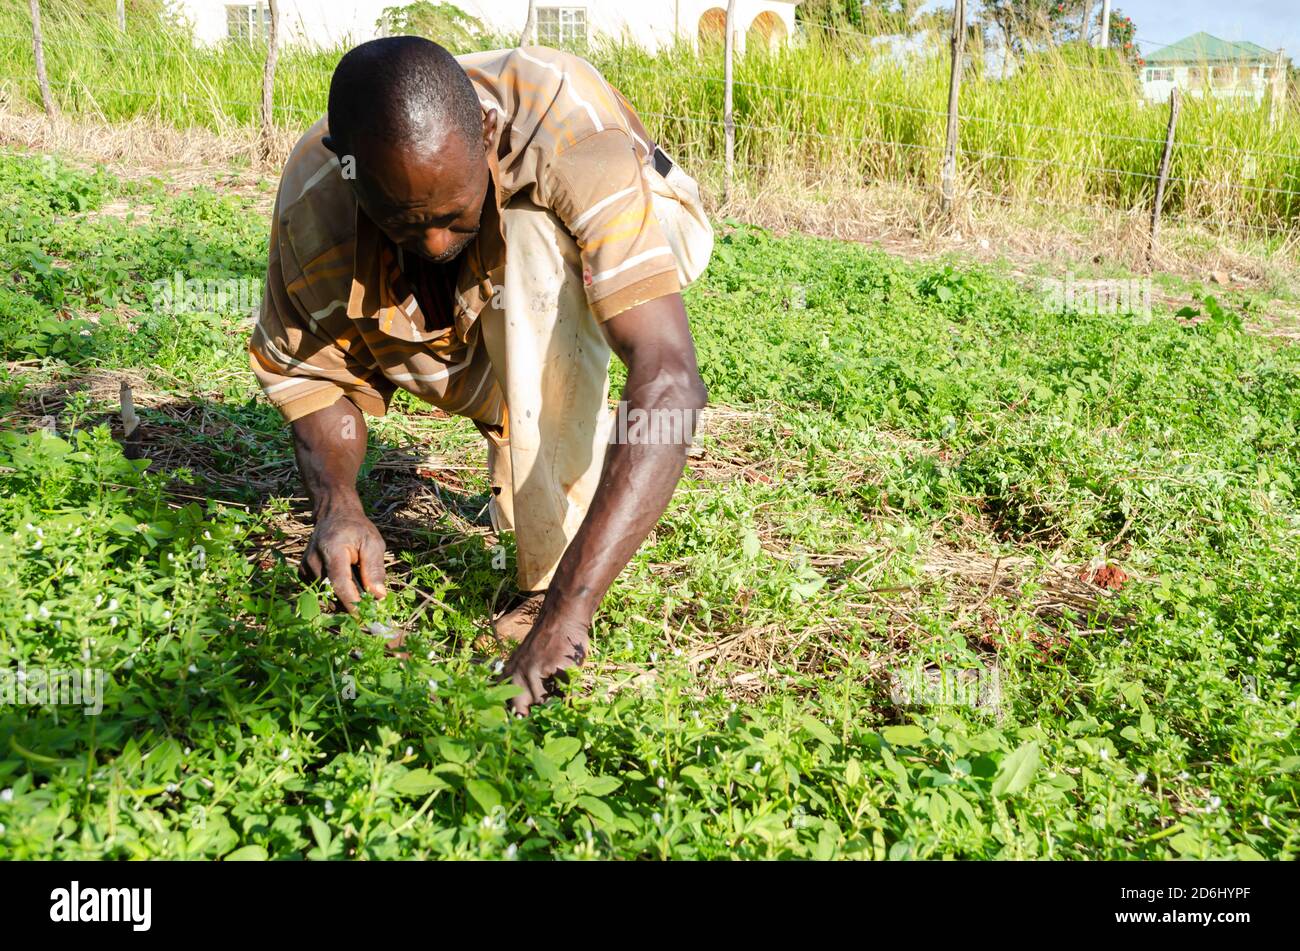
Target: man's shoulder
(315,205)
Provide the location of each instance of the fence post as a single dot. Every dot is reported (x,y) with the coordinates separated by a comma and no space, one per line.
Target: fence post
(529,36)
(1174,105)
(728,118)
(38,49)
(1278,92)
(121,15)
(948,175)
(268,83)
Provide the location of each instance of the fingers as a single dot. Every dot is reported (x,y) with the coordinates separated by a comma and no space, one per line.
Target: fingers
(533,693)
(339,565)
(372,566)
(312,568)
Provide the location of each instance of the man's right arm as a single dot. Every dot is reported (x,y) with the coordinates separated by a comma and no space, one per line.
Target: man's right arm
(330,445)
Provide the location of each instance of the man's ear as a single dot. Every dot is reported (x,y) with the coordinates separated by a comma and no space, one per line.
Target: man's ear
(489,127)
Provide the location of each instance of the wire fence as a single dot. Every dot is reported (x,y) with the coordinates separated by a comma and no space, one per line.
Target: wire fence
(772,128)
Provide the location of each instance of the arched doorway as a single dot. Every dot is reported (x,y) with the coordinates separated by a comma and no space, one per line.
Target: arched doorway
(767,32)
(713,27)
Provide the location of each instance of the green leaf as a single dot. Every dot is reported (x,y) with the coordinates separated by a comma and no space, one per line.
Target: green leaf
(562,748)
(321,833)
(750,546)
(484,793)
(908,735)
(418,782)
(817,730)
(1017,770)
(596,808)
(308,605)
(249,853)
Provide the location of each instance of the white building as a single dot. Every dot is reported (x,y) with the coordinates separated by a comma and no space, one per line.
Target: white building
(652,23)
(1204,65)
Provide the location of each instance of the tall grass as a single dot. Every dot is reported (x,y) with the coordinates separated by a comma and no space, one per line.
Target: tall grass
(1068,128)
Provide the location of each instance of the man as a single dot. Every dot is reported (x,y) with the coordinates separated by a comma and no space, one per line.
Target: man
(482,231)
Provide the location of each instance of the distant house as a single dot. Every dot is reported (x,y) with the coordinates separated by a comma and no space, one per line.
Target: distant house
(769,23)
(1202,64)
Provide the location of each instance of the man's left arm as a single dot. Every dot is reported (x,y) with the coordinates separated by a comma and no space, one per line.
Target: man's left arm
(654,341)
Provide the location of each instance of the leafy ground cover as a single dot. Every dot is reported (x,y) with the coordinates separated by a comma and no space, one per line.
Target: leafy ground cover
(952,574)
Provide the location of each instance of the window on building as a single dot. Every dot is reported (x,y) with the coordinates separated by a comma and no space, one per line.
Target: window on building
(1160,75)
(562,26)
(1194,77)
(1223,76)
(246,22)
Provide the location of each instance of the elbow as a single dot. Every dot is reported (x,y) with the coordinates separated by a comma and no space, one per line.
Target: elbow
(690,392)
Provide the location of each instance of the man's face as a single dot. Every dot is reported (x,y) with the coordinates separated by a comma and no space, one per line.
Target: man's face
(428,198)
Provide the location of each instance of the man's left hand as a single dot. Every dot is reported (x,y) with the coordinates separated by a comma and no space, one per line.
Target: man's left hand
(551,647)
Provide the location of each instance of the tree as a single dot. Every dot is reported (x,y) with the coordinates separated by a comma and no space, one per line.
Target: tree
(838,14)
(445,24)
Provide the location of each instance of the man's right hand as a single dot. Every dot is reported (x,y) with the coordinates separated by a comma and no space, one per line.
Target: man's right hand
(330,445)
(344,540)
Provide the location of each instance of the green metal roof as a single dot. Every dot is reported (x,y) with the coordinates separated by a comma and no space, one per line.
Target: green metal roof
(1203,48)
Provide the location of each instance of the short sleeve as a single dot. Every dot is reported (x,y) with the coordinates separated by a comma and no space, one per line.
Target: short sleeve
(305,360)
(598,189)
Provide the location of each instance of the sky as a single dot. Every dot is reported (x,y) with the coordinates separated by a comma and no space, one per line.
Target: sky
(1270,23)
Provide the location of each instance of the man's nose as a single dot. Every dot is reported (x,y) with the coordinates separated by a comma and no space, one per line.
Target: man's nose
(436,241)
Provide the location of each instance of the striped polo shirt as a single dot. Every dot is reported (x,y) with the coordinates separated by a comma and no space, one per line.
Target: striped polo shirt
(339,317)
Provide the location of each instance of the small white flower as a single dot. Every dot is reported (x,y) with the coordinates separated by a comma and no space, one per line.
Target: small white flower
(433,685)
(43,611)
(188,751)
(85,654)
(1140,778)
(207,535)
(193,669)
(757,767)
(112,605)
(1267,824)
(171,787)
(284,754)
(99,599)
(36,544)
(28,617)
(40,533)
(112,622)
(30,527)
(429,656)
(661,782)
(733,708)
(167,615)
(511,849)
(2,828)
(1215,803)
(1184,775)
(7,795)
(654,657)
(129,664)
(498,667)
(329,807)
(410,750)
(530,823)
(1104,753)
(171,557)
(657,819)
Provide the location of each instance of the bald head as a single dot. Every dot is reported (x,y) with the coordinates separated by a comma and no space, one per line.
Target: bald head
(401,91)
